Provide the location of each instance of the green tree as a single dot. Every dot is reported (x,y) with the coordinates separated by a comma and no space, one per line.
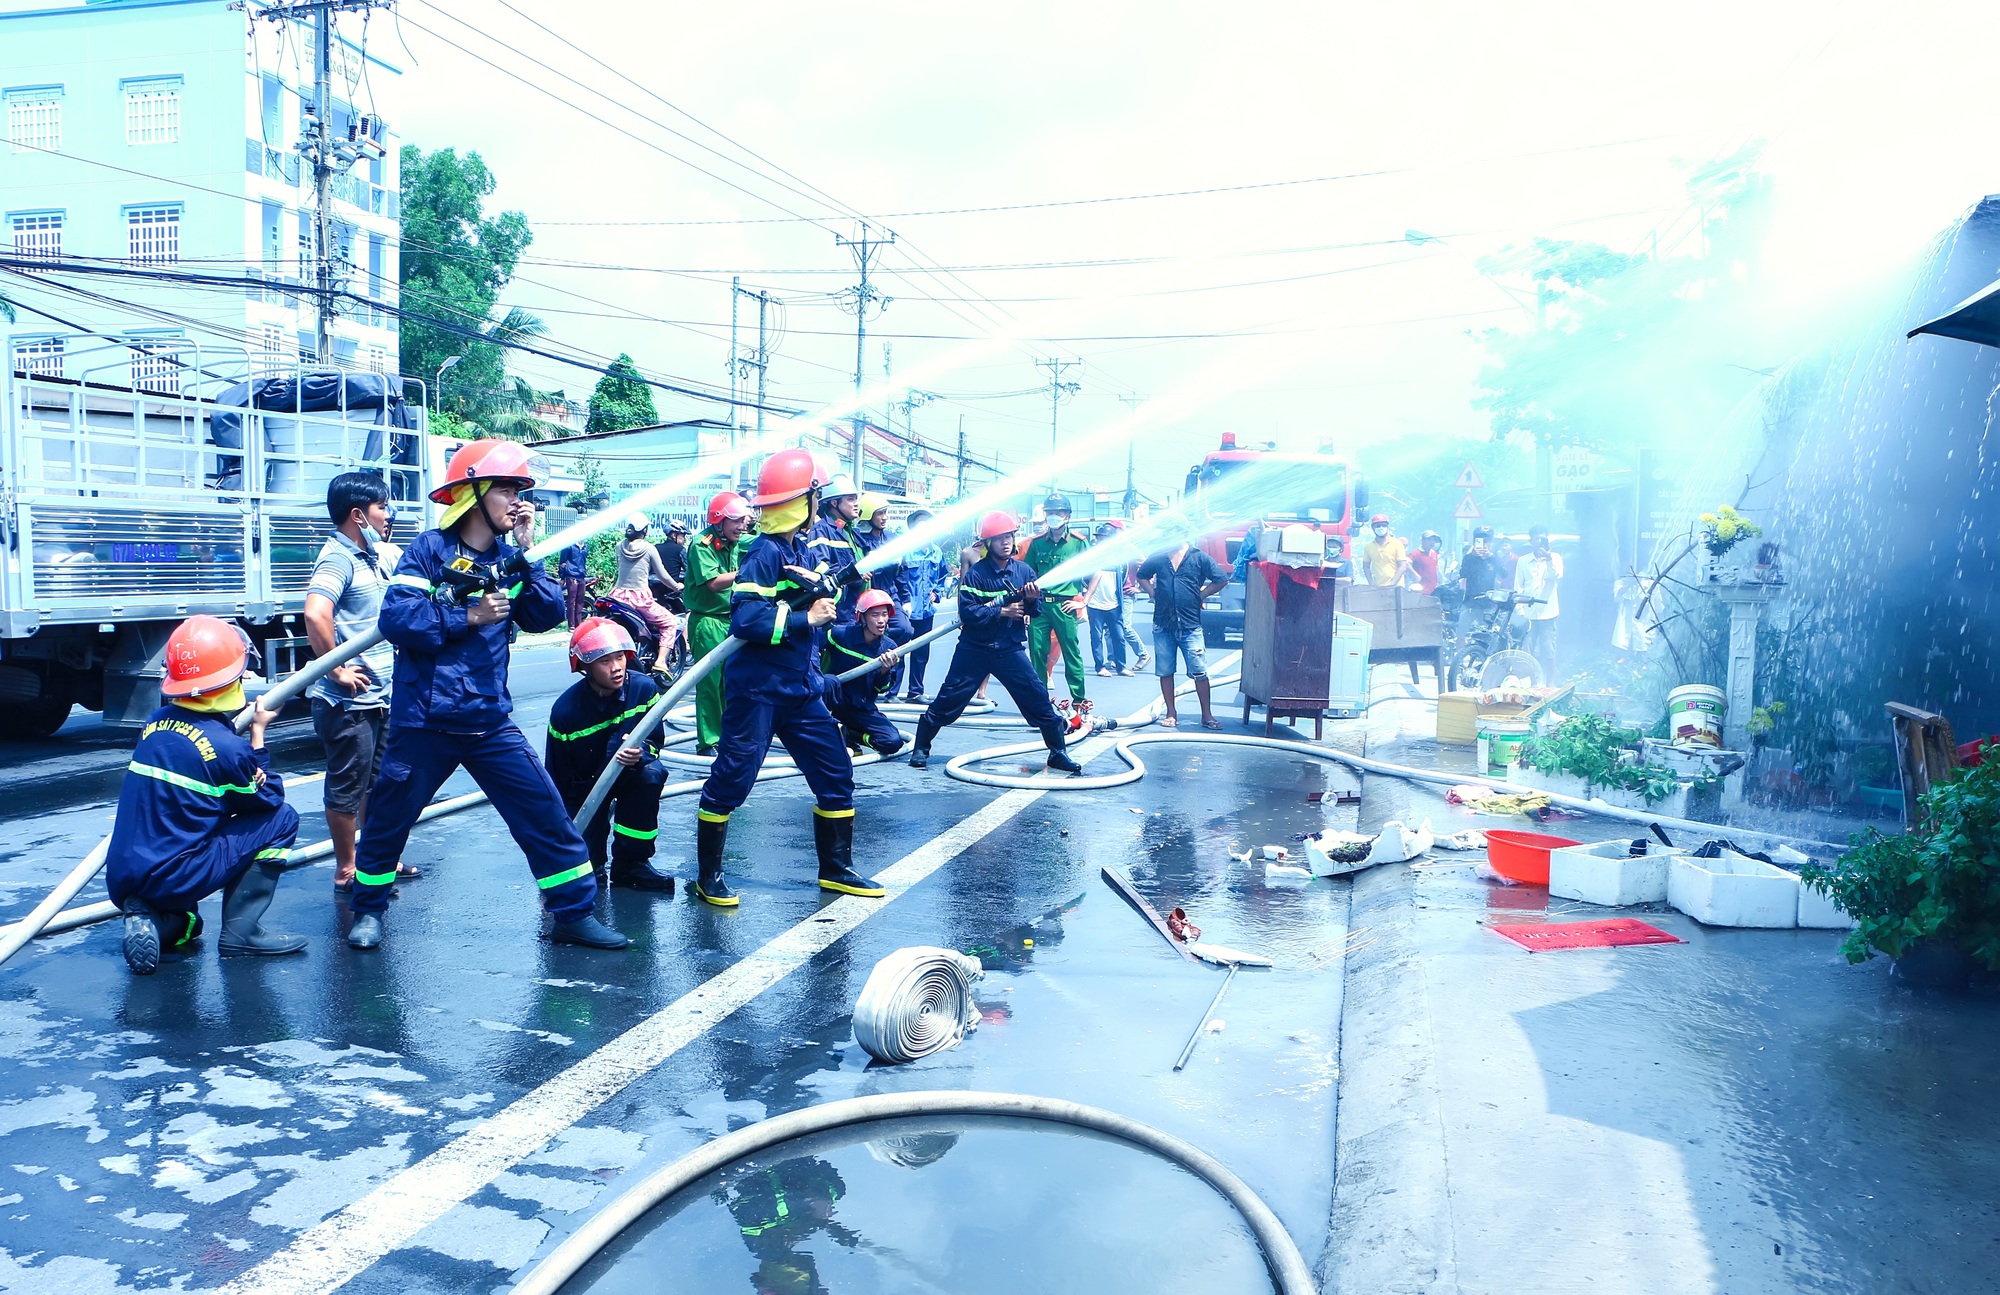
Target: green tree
(596,491)
(456,259)
(621,399)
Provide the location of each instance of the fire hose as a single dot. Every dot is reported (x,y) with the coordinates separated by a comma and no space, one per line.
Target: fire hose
(1289,1272)
(917,1001)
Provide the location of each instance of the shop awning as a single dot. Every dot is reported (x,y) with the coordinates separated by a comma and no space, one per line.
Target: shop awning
(1976,319)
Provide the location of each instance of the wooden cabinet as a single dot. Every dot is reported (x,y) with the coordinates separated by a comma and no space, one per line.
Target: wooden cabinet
(1300,656)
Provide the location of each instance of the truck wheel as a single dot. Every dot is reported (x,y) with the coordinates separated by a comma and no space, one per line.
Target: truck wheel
(40,718)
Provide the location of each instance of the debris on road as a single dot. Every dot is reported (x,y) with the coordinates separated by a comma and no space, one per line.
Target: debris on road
(1602,933)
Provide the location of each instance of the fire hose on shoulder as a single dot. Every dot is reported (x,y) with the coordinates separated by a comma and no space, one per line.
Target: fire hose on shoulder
(1287,1265)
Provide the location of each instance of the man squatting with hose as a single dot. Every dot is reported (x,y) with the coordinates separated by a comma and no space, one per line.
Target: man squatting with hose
(450,704)
(200,809)
(864,641)
(586,726)
(996,599)
(712,562)
(773,686)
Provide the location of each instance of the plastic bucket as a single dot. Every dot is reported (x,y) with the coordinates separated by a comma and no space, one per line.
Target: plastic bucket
(1523,856)
(1694,713)
(1502,739)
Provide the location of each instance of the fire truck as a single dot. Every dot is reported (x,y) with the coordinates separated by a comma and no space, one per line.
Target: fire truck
(1318,489)
(135,493)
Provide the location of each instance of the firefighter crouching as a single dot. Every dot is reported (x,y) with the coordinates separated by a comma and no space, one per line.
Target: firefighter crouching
(712,562)
(586,726)
(200,809)
(996,599)
(855,704)
(448,610)
(773,687)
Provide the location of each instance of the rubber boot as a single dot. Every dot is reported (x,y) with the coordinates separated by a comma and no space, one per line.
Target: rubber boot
(834,839)
(920,746)
(1059,757)
(142,938)
(366,933)
(639,874)
(709,838)
(243,903)
(588,932)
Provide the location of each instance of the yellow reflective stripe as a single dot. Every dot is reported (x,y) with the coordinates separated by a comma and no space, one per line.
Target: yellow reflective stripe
(778,627)
(838,646)
(640,709)
(745,587)
(710,816)
(515,592)
(414,582)
(634,832)
(173,779)
(833,813)
(561,878)
(983,593)
(375,878)
(275,852)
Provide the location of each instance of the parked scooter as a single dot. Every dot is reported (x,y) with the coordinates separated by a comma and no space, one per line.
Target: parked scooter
(1490,623)
(664,667)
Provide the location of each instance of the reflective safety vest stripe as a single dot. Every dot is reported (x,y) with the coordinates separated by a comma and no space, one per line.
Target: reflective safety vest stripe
(173,779)
(640,709)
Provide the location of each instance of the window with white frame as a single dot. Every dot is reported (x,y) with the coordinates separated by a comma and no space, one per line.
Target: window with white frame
(153,234)
(39,357)
(153,110)
(375,359)
(273,352)
(156,363)
(37,235)
(34,118)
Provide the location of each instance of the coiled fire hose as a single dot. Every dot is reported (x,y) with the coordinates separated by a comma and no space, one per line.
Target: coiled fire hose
(917,1001)
(1289,1272)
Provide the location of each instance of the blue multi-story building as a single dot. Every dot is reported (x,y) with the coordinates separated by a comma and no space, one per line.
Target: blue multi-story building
(148,135)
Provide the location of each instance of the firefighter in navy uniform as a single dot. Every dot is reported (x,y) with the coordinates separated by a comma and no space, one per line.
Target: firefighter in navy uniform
(772,687)
(834,543)
(200,809)
(450,704)
(778,1209)
(855,703)
(586,726)
(996,599)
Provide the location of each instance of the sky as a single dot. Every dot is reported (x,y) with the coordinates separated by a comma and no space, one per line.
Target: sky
(1296,311)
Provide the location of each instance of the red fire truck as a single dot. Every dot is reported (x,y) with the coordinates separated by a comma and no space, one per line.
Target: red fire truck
(1319,490)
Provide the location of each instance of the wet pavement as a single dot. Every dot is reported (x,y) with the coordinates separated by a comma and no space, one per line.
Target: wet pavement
(171,1132)
(1745,1112)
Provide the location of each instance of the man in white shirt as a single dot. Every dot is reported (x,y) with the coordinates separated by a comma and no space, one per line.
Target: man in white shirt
(1537,576)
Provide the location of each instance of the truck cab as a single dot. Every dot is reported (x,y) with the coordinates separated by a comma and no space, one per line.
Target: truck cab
(127,506)
(1238,488)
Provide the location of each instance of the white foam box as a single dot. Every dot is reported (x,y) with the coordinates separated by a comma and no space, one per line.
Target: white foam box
(1606,873)
(1819,912)
(1733,891)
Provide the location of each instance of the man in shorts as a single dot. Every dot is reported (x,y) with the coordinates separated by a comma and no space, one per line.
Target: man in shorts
(1177,579)
(351,704)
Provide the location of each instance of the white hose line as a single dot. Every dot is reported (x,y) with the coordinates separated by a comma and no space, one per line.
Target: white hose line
(917,1001)
(682,686)
(1281,1253)
(901,652)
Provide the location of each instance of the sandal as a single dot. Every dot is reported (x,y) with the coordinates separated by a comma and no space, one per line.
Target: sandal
(404,872)
(1168,721)
(1211,723)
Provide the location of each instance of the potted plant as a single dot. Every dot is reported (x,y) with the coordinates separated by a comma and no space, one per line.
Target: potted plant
(1930,898)
(1588,755)
(1721,531)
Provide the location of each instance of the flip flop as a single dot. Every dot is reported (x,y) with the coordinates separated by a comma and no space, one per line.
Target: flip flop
(1211,723)
(1168,721)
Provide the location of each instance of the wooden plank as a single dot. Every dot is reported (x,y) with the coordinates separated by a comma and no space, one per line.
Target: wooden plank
(1125,892)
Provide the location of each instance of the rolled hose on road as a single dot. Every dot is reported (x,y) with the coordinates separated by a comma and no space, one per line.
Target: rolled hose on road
(917,1001)
(1288,1267)
(959,767)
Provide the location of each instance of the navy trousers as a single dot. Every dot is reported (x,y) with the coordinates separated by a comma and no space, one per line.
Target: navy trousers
(971,664)
(630,815)
(869,727)
(215,864)
(919,661)
(811,738)
(415,765)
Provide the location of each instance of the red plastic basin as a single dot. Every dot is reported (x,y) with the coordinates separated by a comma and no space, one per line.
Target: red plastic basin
(1523,856)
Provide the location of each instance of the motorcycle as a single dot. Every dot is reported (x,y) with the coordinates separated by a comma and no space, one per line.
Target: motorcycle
(664,669)
(1490,623)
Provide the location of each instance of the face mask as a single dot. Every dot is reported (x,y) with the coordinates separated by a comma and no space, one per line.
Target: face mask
(776,519)
(227,702)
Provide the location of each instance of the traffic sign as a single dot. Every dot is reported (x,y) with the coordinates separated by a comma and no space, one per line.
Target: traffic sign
(1468,509)
(1469,479)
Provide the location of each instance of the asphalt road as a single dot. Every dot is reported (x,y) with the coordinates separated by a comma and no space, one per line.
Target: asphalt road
(174,1131)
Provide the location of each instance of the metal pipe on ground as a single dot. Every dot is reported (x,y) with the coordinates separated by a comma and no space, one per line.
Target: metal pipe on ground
(1288,1267)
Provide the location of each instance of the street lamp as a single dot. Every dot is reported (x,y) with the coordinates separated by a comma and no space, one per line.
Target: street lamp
(437,387)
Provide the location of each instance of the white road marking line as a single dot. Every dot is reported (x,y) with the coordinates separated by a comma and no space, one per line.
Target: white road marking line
(338,1249)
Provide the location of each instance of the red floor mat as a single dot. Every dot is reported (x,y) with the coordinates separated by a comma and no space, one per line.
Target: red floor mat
(1605,933)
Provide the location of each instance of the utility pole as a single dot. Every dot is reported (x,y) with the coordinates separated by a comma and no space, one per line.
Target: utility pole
(1057,390)
(740,364)
(961,457)
(859,299)
(1131,494)
(735,363)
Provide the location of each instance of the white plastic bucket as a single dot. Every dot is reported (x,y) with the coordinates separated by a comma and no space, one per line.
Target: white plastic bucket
(1694,713)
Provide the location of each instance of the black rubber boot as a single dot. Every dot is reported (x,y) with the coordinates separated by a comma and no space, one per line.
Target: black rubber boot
(1059,757)
(920,746)
(639,874)
(588,932)
(243,903)
(834,838)
(366,933)
(709,837)
(142,938)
